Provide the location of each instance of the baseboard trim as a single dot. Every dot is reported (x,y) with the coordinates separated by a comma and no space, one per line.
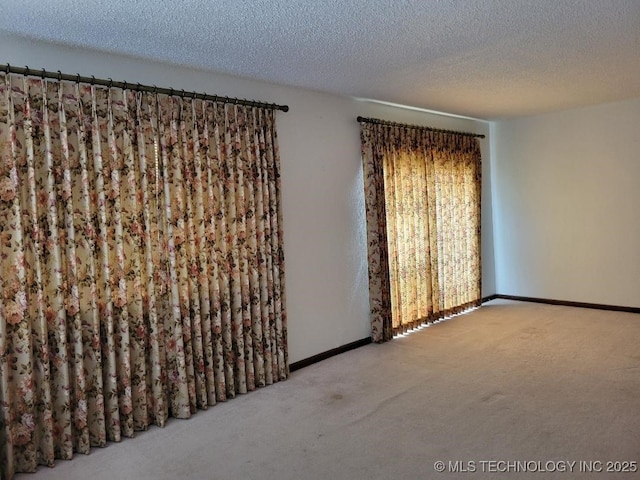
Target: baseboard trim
(328,354)
(366,341)
(566,303)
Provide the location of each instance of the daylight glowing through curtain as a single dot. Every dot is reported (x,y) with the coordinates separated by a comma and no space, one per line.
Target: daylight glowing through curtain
(422,191)
(142,271)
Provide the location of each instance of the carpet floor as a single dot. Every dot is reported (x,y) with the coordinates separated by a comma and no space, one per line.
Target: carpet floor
(510,390)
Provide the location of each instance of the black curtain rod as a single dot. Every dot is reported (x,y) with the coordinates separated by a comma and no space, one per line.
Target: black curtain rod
(419,127)
(138,87)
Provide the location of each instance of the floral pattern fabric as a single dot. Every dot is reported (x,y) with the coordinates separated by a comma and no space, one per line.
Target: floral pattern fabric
(422,197)
(141,263)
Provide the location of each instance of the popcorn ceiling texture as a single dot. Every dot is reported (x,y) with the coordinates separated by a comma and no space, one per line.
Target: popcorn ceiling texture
(485,58)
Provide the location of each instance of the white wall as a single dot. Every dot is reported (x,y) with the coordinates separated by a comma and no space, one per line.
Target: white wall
(566,205)
(323,204)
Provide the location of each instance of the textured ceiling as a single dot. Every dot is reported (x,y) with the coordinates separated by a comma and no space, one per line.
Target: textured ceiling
(480,58)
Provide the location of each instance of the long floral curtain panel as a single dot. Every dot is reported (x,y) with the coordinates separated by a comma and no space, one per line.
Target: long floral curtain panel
(141,263)
(422,193)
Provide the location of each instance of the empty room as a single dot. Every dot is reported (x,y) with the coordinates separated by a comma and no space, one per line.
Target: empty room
(325,239)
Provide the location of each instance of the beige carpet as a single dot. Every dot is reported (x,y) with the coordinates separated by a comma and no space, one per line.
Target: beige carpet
(509,382)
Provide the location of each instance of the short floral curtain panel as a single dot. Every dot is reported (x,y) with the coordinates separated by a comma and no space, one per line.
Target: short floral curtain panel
(422,196)
(141,263)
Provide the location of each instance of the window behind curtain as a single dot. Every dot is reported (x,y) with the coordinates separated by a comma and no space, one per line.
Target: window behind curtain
(141,263)
(423,213)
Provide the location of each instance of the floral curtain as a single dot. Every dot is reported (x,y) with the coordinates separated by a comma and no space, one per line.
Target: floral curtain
(141,263)
(422,195)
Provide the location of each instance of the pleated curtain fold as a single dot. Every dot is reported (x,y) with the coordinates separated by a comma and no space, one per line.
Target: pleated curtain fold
(141,262)
(422,196)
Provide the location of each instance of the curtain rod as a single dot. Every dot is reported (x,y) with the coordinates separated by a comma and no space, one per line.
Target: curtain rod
(138,87)
(419,127)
